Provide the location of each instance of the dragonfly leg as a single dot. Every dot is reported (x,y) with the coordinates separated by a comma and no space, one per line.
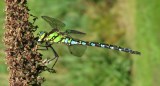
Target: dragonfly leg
(55,56)
(55,53)
(46,47)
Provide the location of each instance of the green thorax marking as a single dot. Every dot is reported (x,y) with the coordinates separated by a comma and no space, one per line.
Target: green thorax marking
(51,36)
(54,37)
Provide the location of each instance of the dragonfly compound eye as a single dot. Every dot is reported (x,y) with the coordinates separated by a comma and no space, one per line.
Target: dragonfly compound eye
(41,36)
(40,33)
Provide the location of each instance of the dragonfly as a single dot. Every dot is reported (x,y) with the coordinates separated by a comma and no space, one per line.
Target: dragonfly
(76,47)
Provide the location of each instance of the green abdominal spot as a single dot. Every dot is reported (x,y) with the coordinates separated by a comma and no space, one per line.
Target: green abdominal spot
(57,39)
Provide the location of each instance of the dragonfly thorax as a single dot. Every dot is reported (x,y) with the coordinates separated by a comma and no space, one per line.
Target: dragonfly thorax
(51,37)
(54,37)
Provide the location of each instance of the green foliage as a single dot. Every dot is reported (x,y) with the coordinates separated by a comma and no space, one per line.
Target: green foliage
(148,66)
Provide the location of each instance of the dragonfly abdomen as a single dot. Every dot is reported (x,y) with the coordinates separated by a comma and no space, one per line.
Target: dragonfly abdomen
(109,46)
(71,41)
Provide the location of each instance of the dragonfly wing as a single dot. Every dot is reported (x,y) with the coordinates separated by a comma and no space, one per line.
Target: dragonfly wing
(54,23)
(77,50)
(75,32)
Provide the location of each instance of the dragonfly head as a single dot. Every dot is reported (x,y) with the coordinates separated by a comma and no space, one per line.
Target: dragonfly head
(41,35)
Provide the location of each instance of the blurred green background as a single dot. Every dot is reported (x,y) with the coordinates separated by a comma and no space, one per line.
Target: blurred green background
(127,23)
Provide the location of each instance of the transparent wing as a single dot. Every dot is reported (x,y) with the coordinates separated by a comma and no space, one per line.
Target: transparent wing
(54,23)
(77,50)
(75,32)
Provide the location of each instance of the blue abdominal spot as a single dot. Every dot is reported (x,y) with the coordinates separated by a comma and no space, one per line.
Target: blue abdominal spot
(93,44)
(74,42)
(83,43)
(66,40)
